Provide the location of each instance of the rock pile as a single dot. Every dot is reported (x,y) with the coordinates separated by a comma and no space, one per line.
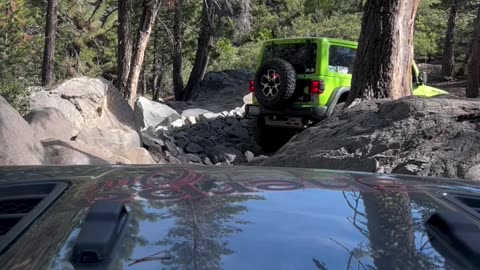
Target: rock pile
(203,131)
(199,136)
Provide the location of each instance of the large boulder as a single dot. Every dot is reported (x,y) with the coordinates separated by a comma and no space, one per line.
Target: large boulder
(426,137)
(152,114)
(49,122)
(53,99)
(73,153)
(195,112)
(18,144)
(59,152)
(111,137)
(88,104)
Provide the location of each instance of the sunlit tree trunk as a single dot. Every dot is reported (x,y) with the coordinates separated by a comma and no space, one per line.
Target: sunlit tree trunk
(383,67)
(147,21)
(49,50)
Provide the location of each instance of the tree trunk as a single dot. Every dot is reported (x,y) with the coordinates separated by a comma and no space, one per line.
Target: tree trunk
(202,56)
(390,227)
(146,24)
(157,84)
(448,59)
(124,54)
(178,86)
(473,83)
(144,79)
(49,50)
(466,60)
(383,66)
(157,67)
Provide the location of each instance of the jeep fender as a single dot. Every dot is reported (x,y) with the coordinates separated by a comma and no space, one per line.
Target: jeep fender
(334,98)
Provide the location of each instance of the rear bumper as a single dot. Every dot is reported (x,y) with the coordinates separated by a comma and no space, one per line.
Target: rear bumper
(314,113)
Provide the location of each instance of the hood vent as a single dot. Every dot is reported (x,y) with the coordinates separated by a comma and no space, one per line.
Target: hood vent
(21,204)
(470,204)
(455,233)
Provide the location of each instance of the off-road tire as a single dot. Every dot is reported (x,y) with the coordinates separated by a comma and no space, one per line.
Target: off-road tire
(269,138)
(276,94)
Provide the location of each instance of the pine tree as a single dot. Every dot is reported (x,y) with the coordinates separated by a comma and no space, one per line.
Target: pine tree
(50,36)
(473,83)
(448,59)
(178,37)
(147,21)
(383,66)
(124,54)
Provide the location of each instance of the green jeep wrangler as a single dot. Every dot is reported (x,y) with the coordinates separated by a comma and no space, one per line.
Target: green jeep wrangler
(300,81)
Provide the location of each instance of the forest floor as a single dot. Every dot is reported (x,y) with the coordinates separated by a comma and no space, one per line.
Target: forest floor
(455,87)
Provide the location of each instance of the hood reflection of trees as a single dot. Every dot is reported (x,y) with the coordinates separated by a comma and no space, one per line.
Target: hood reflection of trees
(199,237)
(132,239)
(390,226)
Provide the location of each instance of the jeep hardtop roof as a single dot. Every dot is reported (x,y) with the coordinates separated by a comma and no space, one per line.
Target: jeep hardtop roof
(302,39)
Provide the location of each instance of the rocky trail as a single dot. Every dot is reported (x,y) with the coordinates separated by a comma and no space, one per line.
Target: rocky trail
(202,131)
(220,92)
(86,121)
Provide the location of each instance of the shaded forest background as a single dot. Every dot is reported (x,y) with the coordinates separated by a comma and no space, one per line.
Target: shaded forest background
(87,37)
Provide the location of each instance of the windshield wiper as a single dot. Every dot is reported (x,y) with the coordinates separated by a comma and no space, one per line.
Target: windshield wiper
(153,257)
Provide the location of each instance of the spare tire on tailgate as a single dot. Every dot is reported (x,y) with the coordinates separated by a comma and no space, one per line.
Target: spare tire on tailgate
(275,83)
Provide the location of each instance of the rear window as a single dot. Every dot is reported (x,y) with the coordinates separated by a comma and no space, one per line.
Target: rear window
(341,59)
(302,56)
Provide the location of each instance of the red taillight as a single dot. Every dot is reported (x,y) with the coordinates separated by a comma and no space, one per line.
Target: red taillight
(251,86)
(317,87)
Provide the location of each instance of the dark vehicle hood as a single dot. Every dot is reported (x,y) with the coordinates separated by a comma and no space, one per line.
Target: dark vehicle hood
(184,217)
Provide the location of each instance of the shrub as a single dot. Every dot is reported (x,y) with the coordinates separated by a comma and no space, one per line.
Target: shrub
(16,93)
(227,57)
